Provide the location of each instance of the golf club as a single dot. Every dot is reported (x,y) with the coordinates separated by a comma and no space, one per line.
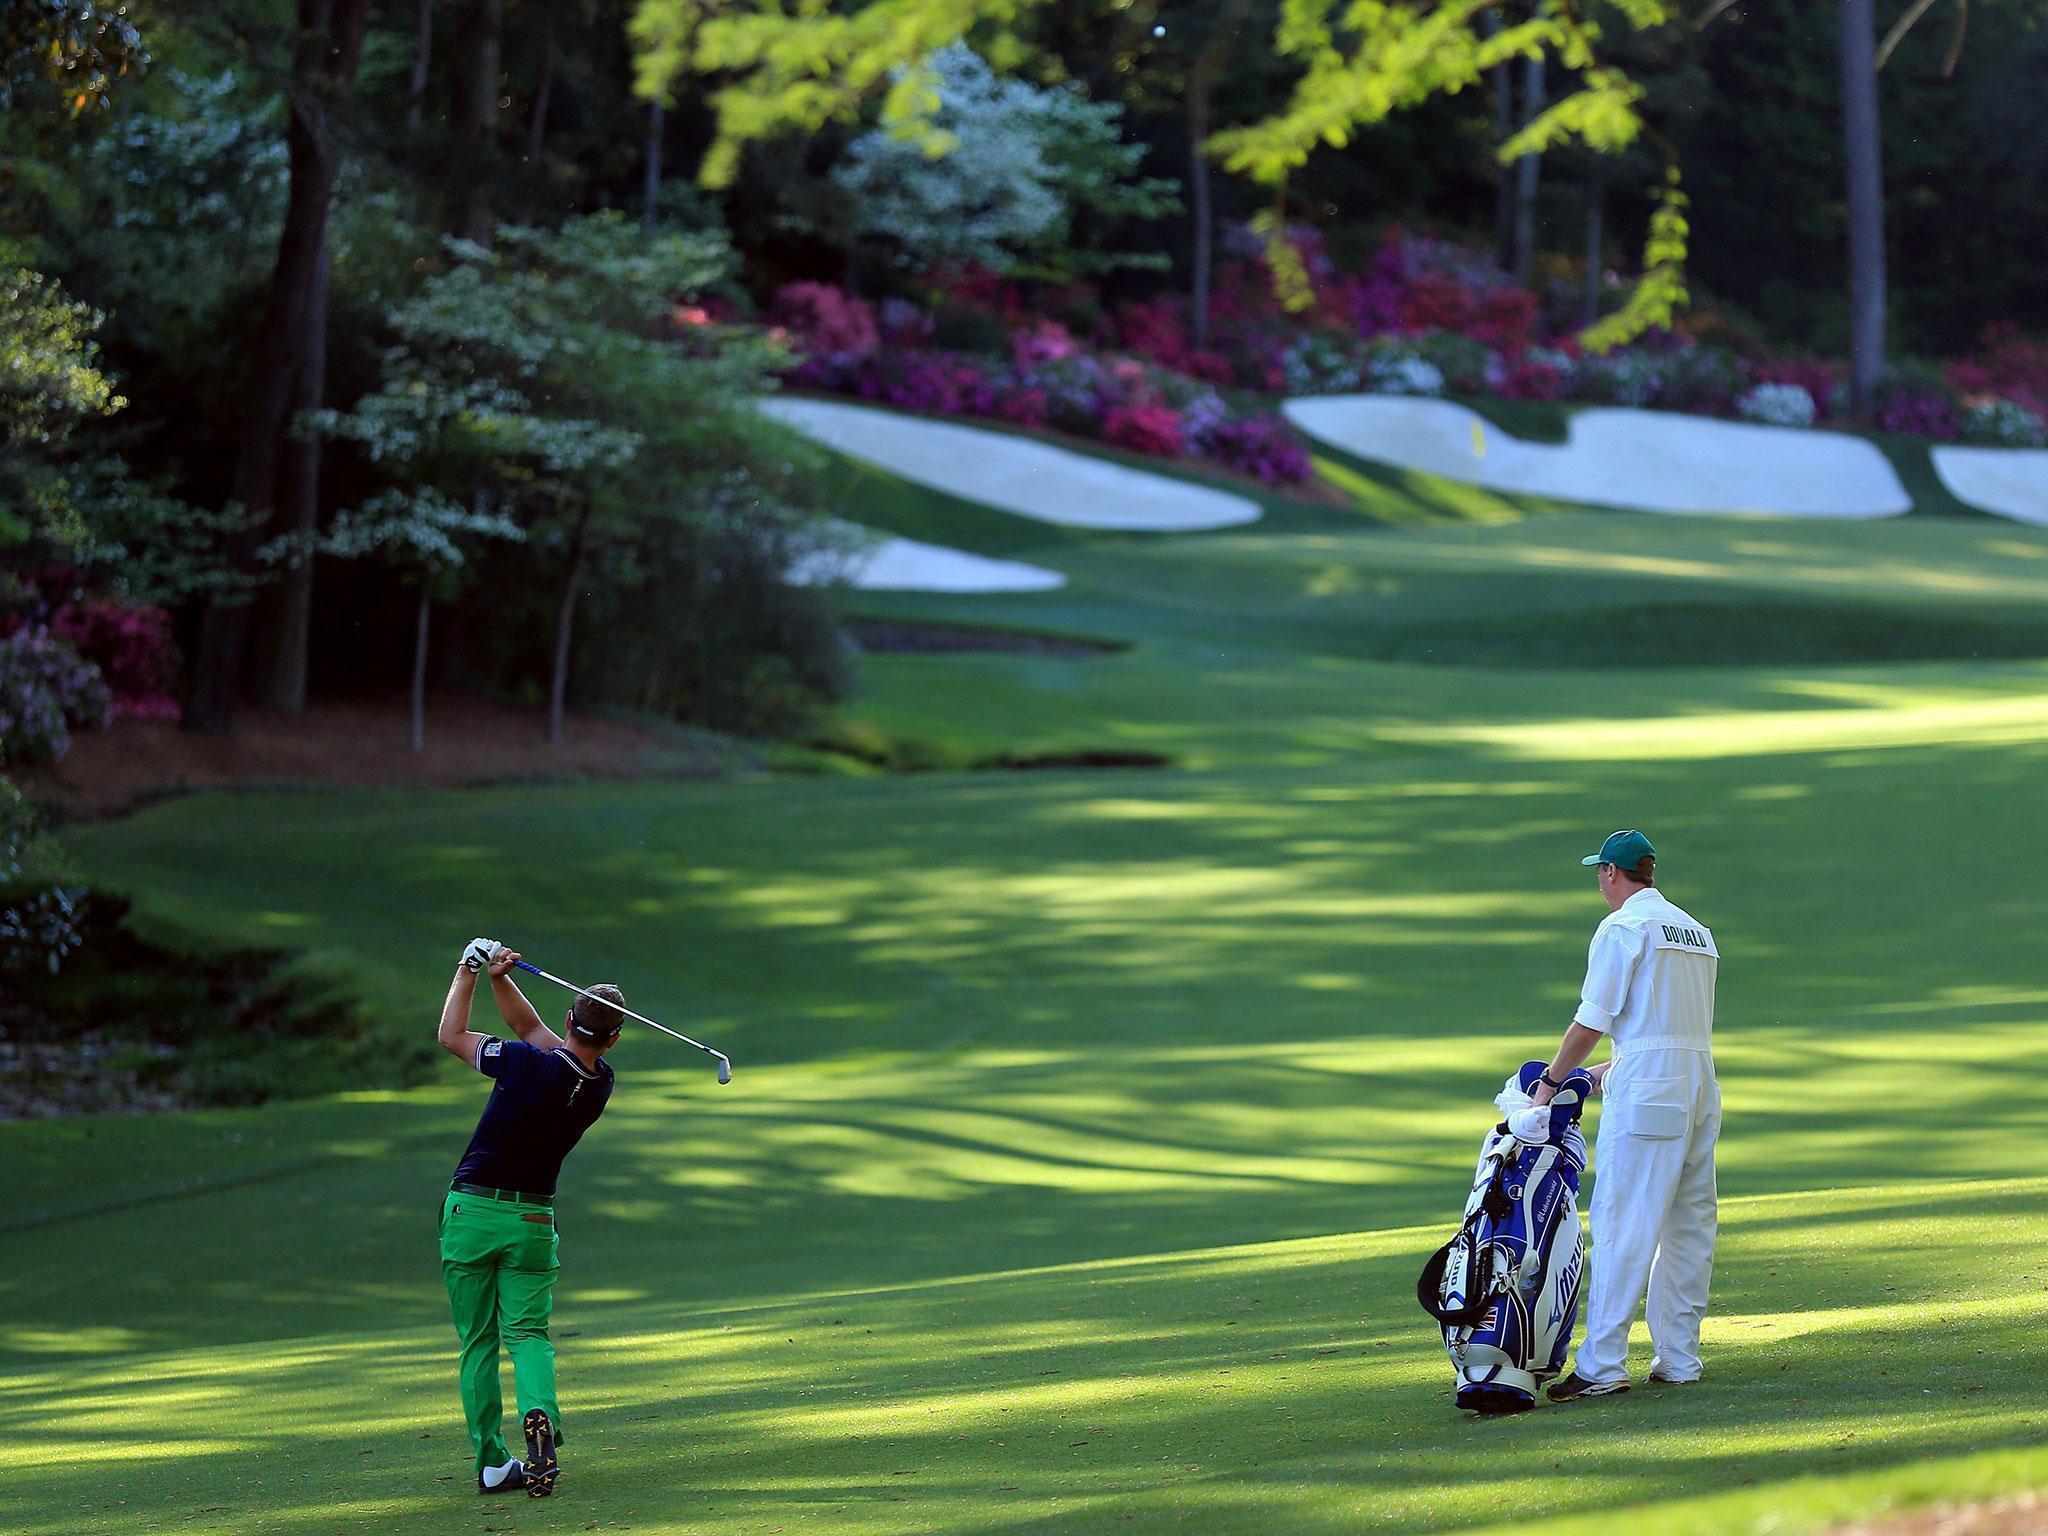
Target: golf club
(724,1063)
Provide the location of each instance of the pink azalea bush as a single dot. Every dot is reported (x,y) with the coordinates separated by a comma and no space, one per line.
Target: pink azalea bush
(825,321)
(134,650)
(1154,429)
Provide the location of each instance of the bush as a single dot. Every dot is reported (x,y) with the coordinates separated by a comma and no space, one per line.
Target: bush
(1625,377)
(1318,364)
(1397,368)
(38,926)
(942,383)
(133,648)
(46,688)
(1776,405)
(2003,424)
(2011,365)
(1153,429)
(1261,446)
(1537,375)
(1918,402)
(1701,379)
(824,321)
(1465,366)
(717,636)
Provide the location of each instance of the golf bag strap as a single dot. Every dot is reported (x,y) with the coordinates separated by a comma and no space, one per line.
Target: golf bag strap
(1429,1285)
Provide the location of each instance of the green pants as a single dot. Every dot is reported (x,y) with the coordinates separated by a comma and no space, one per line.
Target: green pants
(499,1258)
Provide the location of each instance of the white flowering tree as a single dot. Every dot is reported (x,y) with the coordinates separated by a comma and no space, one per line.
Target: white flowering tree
(542,384)
(430,540)
(1000,184)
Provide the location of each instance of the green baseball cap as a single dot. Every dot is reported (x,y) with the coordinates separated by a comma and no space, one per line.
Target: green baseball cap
(1624,850)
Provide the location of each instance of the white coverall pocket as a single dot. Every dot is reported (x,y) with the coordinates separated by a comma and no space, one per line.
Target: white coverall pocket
(1655,1109)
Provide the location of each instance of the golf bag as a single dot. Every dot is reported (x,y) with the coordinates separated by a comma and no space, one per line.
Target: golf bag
(1506,1288)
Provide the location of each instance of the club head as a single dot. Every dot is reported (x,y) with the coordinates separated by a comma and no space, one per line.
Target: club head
(724,1070)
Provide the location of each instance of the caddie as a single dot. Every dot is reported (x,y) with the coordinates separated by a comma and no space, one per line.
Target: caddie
(499,1246)
(1650,992)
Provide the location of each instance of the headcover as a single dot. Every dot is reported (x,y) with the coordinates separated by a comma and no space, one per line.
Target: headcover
(1550,1122)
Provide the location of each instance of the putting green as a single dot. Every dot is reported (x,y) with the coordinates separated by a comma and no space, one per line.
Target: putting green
(1087,1129)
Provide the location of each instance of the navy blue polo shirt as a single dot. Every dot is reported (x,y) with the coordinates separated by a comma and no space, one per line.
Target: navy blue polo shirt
(541,1105)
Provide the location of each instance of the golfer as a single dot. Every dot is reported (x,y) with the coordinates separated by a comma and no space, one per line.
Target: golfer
(1650,990)
(498,1240)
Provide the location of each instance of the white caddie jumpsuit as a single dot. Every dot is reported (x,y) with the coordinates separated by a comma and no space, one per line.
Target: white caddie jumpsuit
(1650,989)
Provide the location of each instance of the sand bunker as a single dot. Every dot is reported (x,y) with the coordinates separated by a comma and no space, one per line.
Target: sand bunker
(876,562)
(1649,461)
(2012,482)
(1013,474)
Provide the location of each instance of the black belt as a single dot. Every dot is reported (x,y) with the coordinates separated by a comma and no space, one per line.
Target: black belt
(519,1195)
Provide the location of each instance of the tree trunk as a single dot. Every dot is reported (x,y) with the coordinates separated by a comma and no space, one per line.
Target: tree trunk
(419,671)
(285,617)
(479,26)
(1864,159)
(537,125)
(1596,213)
(565,618)
(650,185)
(1198,187)
(1502,81)
(1201,94)
(323,74)
(1528,170)
(422,55)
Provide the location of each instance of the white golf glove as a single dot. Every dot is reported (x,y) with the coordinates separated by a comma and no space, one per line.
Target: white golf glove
(481,952)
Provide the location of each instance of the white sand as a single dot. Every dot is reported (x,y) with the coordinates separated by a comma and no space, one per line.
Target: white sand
(2013,482)
(1013,474)
(1650,461)
(876,562)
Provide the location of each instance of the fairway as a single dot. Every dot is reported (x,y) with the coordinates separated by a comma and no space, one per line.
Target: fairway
(1088,1128)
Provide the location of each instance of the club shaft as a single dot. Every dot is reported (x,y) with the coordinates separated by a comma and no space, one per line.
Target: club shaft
(629,1013)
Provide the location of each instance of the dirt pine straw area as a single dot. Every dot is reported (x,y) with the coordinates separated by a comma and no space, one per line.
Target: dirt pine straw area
(2023,1515)
(468,741)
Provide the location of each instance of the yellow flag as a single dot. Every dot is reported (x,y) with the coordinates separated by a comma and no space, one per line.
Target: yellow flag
(1478,438)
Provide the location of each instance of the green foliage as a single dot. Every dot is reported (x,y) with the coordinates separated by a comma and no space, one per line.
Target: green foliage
(1001,181)
(38,914)
(541,392)
(179,202)
(1362,61)
(76,49)
(51,383)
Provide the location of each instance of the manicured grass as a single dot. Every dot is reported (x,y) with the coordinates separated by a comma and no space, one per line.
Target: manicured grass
(1087,1129)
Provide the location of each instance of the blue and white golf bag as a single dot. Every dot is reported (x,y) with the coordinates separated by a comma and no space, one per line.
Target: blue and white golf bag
(1506,1288)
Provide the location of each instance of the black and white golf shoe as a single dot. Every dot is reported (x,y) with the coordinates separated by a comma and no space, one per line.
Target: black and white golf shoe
(541,1466)
(1575,1386)
(1657,1379)
(512,1479)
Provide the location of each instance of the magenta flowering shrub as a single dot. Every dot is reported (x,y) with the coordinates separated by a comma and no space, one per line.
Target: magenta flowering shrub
(1041,341)
(134,650)
(1263,447)
(1153,429)
(942,383)
(1022,405)
(824,321)
(1918,406)
(46,688)
(1534,377)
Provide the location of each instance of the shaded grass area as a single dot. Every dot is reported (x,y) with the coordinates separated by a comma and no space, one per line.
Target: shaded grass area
(131,1025)
(1087,1130)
